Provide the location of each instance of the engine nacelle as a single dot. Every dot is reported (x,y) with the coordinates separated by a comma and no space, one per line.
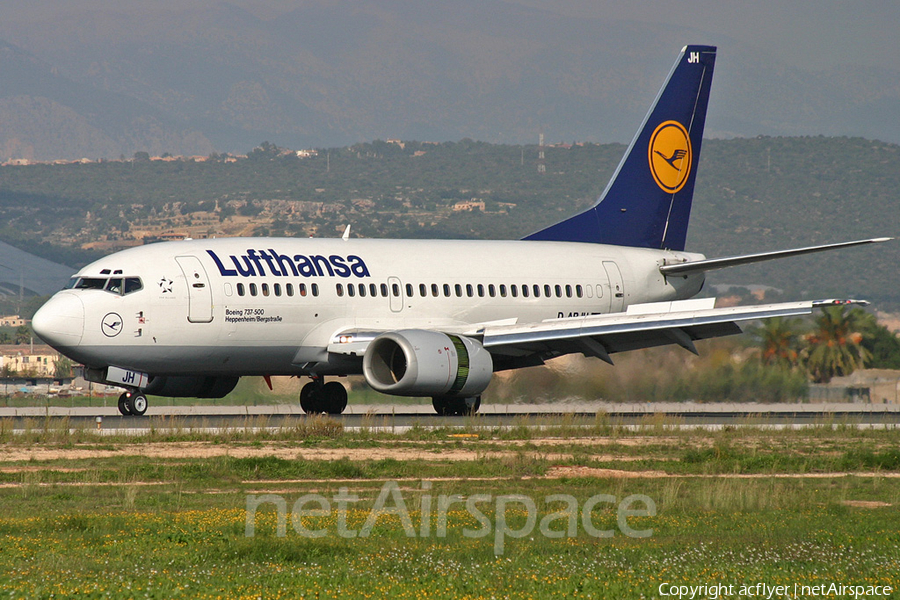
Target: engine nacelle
(416,362)
(187,386)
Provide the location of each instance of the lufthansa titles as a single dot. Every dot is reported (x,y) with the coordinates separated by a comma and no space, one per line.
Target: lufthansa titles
(262,263)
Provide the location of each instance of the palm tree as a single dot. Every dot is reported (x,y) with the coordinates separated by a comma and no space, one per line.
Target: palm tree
(62,368)
(780,342)
(835,346)
(23,335)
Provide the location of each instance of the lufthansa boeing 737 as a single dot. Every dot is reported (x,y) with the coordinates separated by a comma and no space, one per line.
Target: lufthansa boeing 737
(432,318)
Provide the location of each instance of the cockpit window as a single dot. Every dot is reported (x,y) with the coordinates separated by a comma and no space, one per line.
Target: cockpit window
(114,285)
(133,284)
(91,283)
(119,286)
(71,283)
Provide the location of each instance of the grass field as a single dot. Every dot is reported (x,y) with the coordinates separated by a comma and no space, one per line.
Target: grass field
(166,515)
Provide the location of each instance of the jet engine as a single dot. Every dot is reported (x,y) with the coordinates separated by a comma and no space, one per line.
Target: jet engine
(416,362)
(185,386)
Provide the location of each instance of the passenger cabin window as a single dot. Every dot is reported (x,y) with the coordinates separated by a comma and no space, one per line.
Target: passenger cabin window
(446,288)
(409,290)
(289,289)
(301,288)
(315,289)
(252,289)
(240,289)
(339,288)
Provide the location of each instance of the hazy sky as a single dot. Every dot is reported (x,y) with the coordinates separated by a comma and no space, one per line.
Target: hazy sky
(801,32)
(423,71)
(809,33)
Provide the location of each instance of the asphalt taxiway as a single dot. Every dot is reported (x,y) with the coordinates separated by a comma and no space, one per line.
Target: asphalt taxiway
(208,417)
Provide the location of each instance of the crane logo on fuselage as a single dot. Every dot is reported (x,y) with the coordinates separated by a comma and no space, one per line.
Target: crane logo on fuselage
(256,263)
(111,325)
(669,154)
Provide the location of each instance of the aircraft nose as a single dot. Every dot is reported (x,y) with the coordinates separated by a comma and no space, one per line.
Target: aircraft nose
(60,321)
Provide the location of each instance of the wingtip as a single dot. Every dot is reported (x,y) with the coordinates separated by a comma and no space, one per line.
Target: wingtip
(839,302)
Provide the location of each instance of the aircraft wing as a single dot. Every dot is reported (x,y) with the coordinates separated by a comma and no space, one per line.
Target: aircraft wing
(642,326)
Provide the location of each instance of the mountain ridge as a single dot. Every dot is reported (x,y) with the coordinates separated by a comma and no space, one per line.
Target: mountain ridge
(194,80)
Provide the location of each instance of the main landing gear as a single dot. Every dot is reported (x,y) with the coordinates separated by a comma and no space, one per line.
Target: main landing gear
(447,406)
(133,404)
(320,397)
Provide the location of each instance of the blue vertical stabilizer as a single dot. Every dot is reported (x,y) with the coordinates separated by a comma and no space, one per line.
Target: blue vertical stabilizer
(647,203)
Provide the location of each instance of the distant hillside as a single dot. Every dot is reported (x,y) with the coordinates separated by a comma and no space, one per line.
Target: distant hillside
(45,116)
(752,194)
(36,275)
(771,193)
(193,79)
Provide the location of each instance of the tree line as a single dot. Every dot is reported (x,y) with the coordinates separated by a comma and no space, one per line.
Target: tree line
(751,195)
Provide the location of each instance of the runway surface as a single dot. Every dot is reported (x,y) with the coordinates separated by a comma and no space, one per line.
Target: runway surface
(404,416)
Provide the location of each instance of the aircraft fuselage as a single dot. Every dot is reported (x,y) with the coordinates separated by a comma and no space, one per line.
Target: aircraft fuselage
(272,306)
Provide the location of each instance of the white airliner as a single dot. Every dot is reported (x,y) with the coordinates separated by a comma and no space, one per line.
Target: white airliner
(417,317)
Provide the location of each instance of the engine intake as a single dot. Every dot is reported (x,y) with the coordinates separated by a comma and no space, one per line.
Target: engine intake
(416,362)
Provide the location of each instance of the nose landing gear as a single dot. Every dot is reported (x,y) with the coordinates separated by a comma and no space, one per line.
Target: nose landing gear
(133,404)
(319,397)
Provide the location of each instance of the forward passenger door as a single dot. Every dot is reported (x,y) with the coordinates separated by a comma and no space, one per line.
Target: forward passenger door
(199,292)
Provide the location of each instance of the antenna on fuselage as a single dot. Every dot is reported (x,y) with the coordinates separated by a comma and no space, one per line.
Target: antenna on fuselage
(346,235)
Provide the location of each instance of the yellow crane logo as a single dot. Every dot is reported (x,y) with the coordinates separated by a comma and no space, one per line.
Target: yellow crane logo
(669,154)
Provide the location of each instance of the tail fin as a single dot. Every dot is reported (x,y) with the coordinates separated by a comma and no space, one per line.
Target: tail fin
(647,203)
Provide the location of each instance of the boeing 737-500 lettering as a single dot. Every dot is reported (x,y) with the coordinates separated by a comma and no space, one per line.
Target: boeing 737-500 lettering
(432,318)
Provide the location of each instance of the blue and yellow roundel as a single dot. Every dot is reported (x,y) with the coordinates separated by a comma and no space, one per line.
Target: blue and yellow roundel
(669,154)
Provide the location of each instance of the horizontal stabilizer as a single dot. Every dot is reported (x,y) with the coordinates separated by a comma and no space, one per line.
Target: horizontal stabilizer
(711,264)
